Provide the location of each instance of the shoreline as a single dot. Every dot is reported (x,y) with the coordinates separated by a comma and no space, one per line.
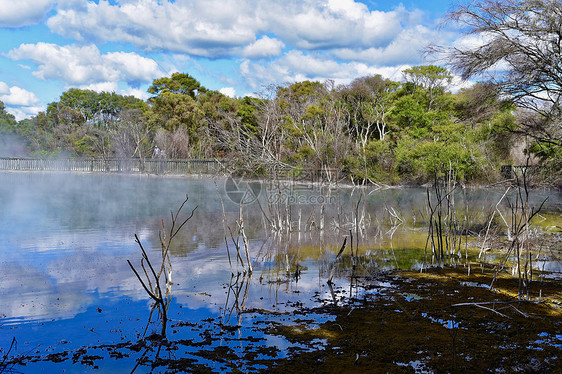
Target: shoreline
(342,183)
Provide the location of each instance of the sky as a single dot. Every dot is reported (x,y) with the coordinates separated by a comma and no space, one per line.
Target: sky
(237,47)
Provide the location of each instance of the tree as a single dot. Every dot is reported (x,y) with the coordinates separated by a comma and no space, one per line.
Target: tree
(7,120)
(178,83)
(520,54)
(131,136)
(176,107)
(433,79)
(315,123)
(370,99)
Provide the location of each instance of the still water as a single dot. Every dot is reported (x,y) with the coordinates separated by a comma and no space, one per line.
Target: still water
(65,240)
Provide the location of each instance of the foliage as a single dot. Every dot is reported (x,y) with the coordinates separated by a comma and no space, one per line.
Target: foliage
(7,121)
(520,53)
(373,129)
(178,83)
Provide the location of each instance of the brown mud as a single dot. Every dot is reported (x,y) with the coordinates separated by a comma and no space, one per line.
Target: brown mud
(440,321)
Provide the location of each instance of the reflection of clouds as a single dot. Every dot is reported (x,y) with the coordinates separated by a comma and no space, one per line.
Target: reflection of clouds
(90,271)
(35,244)
(66,244)
(29,293)
(59,273)
(552,266)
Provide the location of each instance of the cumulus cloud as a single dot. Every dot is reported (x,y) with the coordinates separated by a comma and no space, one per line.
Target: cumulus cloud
(278,42)
(224,28)
(19,97)
(101,87)
(139,93)
(299,39)
(21,113)
(85,65)
(17,13)
(228,91)
(296,66)
(19,102)
(316,25)
(405,48)
(264,47)
(209,28)
(457,84)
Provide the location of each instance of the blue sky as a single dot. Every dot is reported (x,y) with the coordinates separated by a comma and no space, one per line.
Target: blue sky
(236,46)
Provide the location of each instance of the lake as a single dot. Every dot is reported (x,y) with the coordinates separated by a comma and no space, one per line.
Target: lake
(71,301)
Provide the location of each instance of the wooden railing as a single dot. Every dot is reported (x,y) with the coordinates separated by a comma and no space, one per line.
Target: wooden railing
(511,171)
(114,165)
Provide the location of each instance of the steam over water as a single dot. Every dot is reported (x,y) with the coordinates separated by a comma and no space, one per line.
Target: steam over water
(65,240)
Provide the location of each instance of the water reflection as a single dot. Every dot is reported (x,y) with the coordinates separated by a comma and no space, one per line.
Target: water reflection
(65,241)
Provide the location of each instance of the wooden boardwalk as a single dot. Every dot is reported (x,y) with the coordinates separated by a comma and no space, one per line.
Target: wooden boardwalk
(113,165)
(512,171)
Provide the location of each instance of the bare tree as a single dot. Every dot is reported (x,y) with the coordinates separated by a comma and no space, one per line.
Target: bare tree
(131,135)
(174,144)
(271,132)
(520,53)
(370,101)
(256,151)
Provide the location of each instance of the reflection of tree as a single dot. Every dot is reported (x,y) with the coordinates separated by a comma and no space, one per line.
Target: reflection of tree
(236,297)
(5,364)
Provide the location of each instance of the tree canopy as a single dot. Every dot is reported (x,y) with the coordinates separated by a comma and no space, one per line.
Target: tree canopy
(519,54)
(372,129)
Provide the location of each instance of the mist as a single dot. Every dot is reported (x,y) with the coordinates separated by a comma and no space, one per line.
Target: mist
(12,146)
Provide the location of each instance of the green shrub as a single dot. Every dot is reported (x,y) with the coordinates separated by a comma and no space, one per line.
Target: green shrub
(421,161)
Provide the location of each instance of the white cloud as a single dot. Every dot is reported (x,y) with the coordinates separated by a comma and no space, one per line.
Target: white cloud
(264,47)
(25,112)
(471,41)
(302,39)
(101,87)
(314,25)
(139,93)
(405,48)
(19,102)
(457,84)
(85,65)
(136,92)
(295,66)
(223,28)
(228,91)
(17,13)
(349,8)
(205,28)
(16,96)
(138,68)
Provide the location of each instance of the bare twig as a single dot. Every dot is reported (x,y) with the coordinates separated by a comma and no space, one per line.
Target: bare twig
(151,281)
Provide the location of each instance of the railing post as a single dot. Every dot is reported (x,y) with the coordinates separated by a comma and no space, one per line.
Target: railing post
(507,171)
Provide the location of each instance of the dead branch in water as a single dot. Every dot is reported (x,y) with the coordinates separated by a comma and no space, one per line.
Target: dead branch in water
(151,281)
(235,238)
(337,257)
(521,215)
